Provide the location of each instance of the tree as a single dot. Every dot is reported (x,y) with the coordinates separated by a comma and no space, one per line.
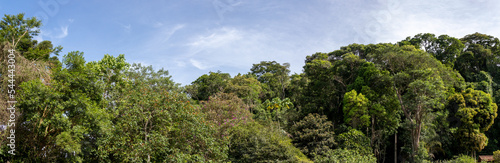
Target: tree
(381,105)
(329,77)
(155,122)
(274,75)
(444,48)
(246,87)
(355,140)
(208,85)
(59,117)
(476,112)
(356,110)
(314,135)
(419,86)
(13,28)
(274,110)
(253,142)
(227,111)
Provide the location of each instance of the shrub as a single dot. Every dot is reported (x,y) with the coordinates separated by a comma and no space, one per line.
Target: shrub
(344,155)
(313,135)
(253,142)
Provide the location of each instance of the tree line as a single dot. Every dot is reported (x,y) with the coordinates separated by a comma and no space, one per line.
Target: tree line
(424,98)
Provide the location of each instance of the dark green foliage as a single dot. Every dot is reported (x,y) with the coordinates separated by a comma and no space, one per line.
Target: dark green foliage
(314,135)
(208,85)
(356,141)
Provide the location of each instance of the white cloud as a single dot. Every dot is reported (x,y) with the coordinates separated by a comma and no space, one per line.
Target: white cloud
(220,38)
(166,33)
(391,23)
(64,32)
(157,24)
(127,28)
(198,64)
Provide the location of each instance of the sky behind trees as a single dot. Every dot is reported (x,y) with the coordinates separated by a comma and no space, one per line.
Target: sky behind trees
(190,38)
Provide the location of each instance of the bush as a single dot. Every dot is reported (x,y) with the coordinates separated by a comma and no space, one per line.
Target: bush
(313,135)
(253,142)
(355,140)
(461,159)
(496,156)
(344,155)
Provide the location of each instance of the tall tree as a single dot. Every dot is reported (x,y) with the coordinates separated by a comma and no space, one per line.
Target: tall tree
(274,75)
(475,113)
(208,85)
(13,28)
(58,117)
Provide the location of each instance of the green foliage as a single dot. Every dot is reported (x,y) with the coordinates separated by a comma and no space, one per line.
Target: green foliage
(356,141)
(226,111)
(208,85)
(113,111)
(356,110)
(13,28)
(274,76)
(476,113)
(60,116)
(496,156)
(246,87)
(329,78)
(314,135)
(461,159)
(344,155)
(253,142)
(154,122)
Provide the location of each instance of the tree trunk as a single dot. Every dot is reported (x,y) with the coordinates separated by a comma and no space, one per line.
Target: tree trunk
(396,148)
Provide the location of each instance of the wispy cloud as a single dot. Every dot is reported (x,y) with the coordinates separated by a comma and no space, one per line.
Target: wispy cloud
(127,28)
(395,20)
(217,39)
(198,64)
(64,32)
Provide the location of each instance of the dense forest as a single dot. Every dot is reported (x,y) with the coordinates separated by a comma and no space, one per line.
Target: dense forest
(426,98)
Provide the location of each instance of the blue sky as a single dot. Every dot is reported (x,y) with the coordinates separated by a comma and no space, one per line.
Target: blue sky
(190,38)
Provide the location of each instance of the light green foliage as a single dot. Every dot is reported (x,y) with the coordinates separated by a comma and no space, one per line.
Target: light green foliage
(253,142)
(344,155)
(496,156)
(356,141)
(276,108)
(356,110)
(246,87)
(476,112)
(314,135)
(461,159)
